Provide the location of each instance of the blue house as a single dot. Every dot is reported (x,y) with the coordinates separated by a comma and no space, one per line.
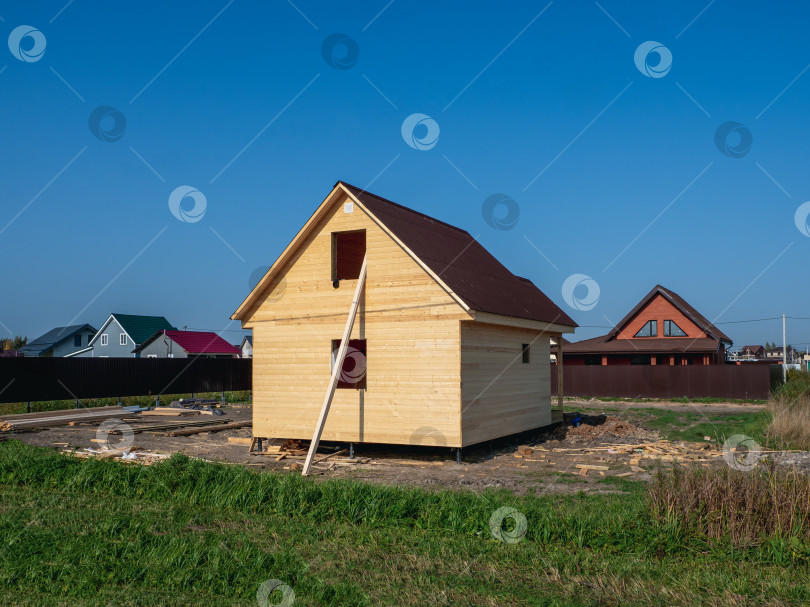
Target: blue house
(61,341)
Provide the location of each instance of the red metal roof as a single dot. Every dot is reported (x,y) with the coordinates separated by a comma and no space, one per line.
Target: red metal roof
(201,342)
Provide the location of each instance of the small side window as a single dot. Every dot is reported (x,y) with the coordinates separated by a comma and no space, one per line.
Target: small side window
(77,341)
(104,339)
(526,357)
(650,329)
(122,339)
(672,330)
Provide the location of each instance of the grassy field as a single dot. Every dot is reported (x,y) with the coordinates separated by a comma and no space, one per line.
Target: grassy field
(695,426)
(186,532)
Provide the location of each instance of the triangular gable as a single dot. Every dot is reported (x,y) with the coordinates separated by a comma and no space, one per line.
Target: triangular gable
(680,304)
(337,193)
(452,257)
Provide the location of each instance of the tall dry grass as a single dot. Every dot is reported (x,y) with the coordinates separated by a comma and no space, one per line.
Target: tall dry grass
(790,423)
(746,507)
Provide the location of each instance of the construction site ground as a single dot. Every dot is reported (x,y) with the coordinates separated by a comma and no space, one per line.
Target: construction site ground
(597,456)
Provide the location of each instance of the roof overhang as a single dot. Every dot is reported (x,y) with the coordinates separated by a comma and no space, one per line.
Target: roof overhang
(519,323)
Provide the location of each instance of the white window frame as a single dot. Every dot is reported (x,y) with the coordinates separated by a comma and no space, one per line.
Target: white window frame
(122,339)
(151,356)
(104,339)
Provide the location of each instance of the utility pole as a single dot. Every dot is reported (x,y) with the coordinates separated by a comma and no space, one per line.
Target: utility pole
(784,352)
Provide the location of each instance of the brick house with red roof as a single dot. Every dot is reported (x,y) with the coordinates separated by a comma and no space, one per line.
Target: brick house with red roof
(186,344)
(662,329)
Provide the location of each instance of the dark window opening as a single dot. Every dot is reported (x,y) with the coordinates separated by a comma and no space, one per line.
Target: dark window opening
(353,373)
(650,329)
(526,353)
(593,360)
(672,330)
(640,359)
(348,252)
(77,341)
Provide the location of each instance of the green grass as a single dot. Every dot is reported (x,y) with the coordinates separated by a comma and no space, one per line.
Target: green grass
(241,396)
(186,532)
(693,426)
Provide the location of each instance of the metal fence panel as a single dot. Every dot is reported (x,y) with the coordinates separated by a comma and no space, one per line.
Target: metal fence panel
(36,379)
(665,381)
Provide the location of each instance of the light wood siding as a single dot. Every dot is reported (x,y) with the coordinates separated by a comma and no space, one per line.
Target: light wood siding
(500,394)
(411,325)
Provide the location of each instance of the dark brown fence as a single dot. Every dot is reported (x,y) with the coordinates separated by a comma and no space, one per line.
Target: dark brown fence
(664,381)
(36,379)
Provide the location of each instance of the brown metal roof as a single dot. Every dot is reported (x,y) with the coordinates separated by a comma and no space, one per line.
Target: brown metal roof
(680,303)
(650,345)
(466,267)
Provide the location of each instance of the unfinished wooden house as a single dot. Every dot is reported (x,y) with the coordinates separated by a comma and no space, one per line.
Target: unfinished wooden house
(448,347)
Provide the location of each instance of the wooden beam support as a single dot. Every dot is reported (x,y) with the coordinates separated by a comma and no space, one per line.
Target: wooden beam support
(333,381)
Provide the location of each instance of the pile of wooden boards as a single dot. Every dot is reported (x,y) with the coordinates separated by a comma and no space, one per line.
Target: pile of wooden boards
(289,449)
(659,450)
(62,417)
(176,411)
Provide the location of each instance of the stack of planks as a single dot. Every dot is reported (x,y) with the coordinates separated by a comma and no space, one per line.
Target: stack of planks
(62,417)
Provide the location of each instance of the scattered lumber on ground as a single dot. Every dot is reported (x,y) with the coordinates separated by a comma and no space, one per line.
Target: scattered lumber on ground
(211,428)
(171,411)
(239,440)
(64,417)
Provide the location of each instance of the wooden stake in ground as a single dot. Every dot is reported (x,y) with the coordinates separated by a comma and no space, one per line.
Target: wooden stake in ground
(341,356)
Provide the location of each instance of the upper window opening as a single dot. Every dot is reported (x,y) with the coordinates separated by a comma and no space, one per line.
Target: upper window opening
(672,330)
(526,353)
(650,329)
(348,252)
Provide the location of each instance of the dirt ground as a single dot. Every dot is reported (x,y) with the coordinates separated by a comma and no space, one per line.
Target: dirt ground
(545,461)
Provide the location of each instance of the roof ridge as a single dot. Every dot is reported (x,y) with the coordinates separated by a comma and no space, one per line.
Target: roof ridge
(401,206)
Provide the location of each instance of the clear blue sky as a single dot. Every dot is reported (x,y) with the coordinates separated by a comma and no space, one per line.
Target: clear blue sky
(632,188)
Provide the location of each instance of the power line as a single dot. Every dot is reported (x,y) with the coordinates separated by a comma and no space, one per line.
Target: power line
(734,322)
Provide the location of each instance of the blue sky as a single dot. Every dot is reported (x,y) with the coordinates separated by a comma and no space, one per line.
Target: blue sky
(616,174)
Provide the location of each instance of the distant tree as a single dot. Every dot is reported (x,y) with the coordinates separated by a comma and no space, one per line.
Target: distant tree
(14,344)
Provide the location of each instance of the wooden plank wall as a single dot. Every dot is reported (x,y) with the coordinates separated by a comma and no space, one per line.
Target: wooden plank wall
(411,328)
(500,394)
